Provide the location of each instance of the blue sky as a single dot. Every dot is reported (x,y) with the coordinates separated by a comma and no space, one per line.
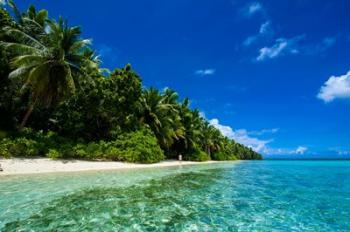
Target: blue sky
(270,74)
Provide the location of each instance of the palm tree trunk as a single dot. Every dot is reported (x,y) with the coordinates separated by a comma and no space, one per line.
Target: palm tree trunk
(26,116)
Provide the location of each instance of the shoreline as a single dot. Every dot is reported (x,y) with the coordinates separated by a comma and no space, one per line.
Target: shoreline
(26,166)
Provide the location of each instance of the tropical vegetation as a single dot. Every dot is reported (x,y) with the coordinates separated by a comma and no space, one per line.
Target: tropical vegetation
(57,101)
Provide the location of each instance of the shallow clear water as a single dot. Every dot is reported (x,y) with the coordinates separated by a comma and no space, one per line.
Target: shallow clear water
(237,196)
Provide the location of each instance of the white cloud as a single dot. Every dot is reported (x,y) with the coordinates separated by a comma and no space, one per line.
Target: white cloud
(247,138)
(254,8)
(281,46)
(274,51)
(264,131)
(265,28)
(202,114)
(300,150)
(343,152)
(265,31)
(205,72)
(339,151)
(225,130)
(2,2)
(284,46)
(241,136)
(335,87)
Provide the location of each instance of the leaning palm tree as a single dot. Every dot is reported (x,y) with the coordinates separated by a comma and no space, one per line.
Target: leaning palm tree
(48,66)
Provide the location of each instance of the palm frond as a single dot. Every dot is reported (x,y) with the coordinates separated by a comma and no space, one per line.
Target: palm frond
(41,17)
(20,72)
(26,60)
(18,49)
(24,38)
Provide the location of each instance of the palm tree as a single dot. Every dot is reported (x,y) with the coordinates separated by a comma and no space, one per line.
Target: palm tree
(48,65)
(191,121)
(32,22)
(211,138)
(36,17)
(161,114)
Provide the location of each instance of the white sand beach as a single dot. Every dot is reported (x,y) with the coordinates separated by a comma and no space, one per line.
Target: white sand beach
(17,166)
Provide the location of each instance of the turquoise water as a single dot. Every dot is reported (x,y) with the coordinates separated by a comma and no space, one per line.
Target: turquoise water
(237,196)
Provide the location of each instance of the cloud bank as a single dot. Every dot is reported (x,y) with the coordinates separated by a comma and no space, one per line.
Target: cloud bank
(241,136)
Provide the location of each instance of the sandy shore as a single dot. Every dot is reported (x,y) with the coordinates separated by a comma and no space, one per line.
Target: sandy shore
(42,165)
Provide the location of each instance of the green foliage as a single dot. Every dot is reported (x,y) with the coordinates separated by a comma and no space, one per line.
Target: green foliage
(139,147)
(29,144)
(20,147)
(5,19)
(53,154)
(197,155)
(4,148)
(46,55)
(160,113)
(57,83)
(221,156)
(244,153)
(104,108)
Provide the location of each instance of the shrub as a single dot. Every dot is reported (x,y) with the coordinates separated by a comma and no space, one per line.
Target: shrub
(221,156)
(20,147)
(112,153)
(29,144)
(94,151)
(197,155)
(66,150)
(53,154)
(139,147)
(25,147)
(79,151)
(4,148)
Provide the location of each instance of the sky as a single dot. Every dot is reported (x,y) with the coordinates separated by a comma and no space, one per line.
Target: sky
(273,75)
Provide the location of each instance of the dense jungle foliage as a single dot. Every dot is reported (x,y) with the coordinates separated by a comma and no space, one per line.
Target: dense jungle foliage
(57,101)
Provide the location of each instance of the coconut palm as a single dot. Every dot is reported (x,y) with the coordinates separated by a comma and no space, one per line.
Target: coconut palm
(49,65)
(192,121)
(32,22)
(211,138)
(161,114)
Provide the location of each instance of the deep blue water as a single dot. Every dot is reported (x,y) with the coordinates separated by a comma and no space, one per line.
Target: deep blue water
(236,196)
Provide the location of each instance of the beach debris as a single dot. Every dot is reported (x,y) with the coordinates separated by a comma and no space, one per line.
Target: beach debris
(1,170)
